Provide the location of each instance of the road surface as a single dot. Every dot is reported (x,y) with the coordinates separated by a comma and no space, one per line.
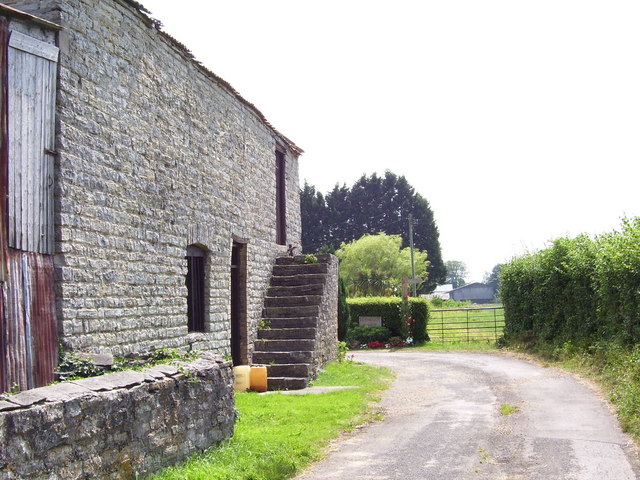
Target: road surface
(443,422)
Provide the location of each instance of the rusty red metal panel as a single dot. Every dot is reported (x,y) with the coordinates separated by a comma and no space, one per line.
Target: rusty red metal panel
(43,317)
(31,333)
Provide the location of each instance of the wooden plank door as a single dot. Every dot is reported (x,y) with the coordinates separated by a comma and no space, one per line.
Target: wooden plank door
(29,326)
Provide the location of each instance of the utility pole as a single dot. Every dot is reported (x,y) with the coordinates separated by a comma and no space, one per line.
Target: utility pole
(413,267)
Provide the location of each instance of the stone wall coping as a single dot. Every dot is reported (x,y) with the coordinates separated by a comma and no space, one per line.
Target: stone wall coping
(59,392)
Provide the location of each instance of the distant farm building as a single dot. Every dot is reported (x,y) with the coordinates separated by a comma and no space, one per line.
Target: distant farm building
(474,292)
(441,291)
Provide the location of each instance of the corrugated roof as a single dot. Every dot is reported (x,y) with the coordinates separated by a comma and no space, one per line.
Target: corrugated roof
(220,81)
(474,284)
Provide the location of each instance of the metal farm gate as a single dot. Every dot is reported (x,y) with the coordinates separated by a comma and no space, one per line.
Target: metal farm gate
(466,324)
(28,326)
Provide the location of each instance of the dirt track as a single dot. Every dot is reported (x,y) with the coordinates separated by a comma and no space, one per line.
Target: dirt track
(443,422)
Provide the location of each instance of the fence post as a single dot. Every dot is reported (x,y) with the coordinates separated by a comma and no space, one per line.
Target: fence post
(467,326)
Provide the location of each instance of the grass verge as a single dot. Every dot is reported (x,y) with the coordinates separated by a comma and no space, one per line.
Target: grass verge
(278,435)
(613,367)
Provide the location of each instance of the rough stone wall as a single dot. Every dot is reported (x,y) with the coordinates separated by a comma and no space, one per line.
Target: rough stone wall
(327,329)
(154,155)
(116,425)
(33,30)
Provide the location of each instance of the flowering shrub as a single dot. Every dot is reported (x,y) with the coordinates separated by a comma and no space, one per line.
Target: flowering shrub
(396,342)
(376,344)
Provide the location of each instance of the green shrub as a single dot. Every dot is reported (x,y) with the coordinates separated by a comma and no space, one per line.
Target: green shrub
(365,334)
(344,313)
(342,351)
(71,367)
(438,302)
(388,308)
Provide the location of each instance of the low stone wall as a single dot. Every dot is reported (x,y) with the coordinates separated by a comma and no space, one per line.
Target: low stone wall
(327,330)
(117,425)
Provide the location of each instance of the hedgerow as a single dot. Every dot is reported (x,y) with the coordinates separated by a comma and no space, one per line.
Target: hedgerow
(389,308)
(580,290)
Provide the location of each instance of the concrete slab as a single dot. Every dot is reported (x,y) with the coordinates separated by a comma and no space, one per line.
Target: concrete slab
(6,406)
(29,397)
(60,391)
(112,381)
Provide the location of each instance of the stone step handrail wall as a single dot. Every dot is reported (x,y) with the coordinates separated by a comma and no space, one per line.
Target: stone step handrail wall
(300,319)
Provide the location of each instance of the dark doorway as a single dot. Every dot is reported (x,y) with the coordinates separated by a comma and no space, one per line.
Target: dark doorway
(195,288)
(239,303)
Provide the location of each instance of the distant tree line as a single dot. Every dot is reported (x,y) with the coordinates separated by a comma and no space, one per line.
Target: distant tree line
(372,205)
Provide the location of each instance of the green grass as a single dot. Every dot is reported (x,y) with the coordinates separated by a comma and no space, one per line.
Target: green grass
(506,409)
(474,323)
(278,435)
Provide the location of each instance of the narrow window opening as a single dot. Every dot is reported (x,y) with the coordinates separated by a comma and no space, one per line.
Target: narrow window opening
(195,281)
(281,199)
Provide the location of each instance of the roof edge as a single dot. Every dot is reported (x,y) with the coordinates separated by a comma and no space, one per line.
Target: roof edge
(216,78)
(19,14)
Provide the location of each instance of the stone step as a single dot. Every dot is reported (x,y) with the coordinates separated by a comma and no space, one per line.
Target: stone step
(287,383)
(291,322)
(314,289)
(288,312)
(286,333)
(286,270)
(269,358)
(293,345)
(293,301)
(289,370)
(322,258)
(296,280)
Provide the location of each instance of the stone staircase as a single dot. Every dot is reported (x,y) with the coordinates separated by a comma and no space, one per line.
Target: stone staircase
(290,319)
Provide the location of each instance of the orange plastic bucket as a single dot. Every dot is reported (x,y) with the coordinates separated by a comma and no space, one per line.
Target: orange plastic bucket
(258,378)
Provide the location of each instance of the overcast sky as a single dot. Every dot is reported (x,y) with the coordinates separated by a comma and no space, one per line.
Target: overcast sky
(519,121)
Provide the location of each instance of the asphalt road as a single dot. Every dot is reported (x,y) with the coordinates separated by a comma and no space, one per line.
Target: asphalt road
(443,422)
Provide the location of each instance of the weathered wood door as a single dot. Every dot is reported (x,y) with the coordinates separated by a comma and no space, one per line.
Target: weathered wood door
(28,319)
(239,304)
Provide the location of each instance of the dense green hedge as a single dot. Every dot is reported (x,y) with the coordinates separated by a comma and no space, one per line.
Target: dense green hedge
(580,290)
(344,314)
(389,309)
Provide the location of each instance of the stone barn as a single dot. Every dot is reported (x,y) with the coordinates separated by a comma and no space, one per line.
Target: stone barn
(147,200)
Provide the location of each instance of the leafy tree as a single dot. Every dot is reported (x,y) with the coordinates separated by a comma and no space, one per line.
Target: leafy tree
(456,273)
(375,265)
(493,278)
(374,204)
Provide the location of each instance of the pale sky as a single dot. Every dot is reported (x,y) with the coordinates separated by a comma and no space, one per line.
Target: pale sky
(519,121)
